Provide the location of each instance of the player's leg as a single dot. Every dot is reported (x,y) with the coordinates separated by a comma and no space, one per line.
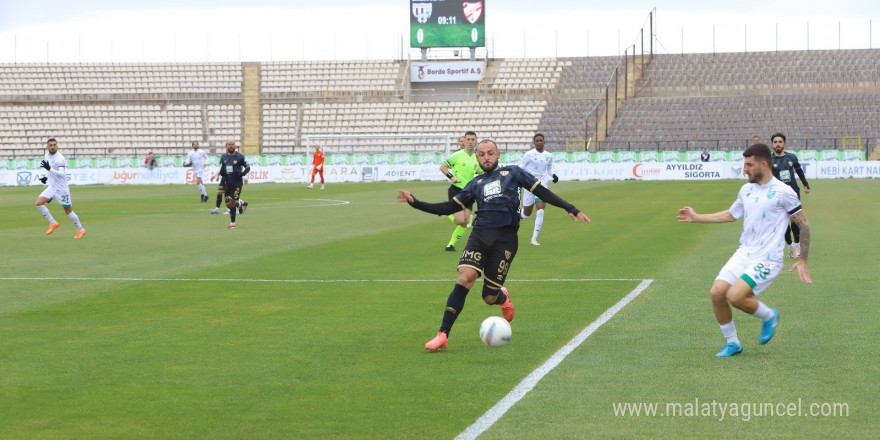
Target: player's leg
(469,269)
(221,189)
(459,230)
(312,181)
(232,193)
(498,259)
(321,173)
(64,199)
(42,199)
(721,306)
(539,221)
(794,251)
(528,204)
(80,231)
(743,295)
(202,190)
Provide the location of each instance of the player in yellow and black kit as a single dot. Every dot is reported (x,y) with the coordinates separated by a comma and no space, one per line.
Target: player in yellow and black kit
(785,166)
(493,244)
(460,168)
(233,167)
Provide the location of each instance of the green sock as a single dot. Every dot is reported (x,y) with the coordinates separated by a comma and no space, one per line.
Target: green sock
(451,218)
(456,235)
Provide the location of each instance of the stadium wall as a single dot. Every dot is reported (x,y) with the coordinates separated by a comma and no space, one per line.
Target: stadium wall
(293,169)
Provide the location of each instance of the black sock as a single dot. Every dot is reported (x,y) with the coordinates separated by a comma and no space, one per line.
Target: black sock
(501,296)
(219,199)
(796,232)
(454,304)
(788,235)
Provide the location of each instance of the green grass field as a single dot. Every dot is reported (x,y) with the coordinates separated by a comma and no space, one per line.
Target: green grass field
(309,320)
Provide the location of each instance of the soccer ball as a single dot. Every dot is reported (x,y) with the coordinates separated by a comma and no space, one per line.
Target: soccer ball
(495,331)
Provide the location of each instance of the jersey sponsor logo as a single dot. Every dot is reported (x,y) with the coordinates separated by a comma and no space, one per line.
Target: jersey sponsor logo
(504,173)
(492,190)
(474,256)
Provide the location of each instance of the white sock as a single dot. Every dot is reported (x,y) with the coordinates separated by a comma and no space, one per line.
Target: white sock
(763,313)
(729,332)
(75,219)
(523,215)
(202,190)
(45,212)
(539,221)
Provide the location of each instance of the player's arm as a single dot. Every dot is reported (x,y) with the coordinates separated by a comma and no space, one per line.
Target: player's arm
(60,169)
(800,219)
(550,197)
(443,208)
(688,215)
(801,175)
(444,168)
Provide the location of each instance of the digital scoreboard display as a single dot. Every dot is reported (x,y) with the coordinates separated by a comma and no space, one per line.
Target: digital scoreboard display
(447,23)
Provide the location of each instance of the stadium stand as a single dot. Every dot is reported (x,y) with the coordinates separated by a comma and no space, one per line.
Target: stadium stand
(720,101)
(681,101)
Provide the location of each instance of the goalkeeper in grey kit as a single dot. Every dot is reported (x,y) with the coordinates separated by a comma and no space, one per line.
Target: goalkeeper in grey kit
(233,168)
(492,245)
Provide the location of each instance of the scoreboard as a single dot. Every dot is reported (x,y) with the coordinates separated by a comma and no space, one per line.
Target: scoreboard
(447,23)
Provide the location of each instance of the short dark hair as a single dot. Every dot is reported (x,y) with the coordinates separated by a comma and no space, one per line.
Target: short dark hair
(536,136)
(194,143)
(470,132)
(759,152)
(51,140)
(777,135)
(491,141)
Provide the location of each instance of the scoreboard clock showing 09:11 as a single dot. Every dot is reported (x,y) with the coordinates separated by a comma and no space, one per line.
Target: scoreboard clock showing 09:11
(447,23)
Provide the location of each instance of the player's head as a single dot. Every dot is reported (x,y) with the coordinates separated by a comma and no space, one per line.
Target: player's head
(230,146)
(52,145)
(488,155)
(195,145)
(538,140)
(470,140)
(756,165)
(756,140)
(317,148)
(461,143)
(778,142)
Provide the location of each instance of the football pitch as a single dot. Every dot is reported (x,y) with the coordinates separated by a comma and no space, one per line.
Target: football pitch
(309,320)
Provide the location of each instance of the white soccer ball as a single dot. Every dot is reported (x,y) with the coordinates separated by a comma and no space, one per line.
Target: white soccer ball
(495,331)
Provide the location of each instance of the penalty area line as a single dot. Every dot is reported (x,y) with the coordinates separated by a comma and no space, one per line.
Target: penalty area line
(517,393)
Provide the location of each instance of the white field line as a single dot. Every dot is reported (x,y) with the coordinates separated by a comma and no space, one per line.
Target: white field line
(496,412)
(249,280)
(493,414)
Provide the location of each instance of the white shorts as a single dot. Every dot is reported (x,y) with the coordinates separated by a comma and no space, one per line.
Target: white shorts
(61,195)
(529,199)
(758,273)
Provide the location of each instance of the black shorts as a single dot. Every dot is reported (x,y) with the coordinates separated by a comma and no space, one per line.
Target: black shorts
(222,186)
(490,252)
(232,191)
(454,191)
